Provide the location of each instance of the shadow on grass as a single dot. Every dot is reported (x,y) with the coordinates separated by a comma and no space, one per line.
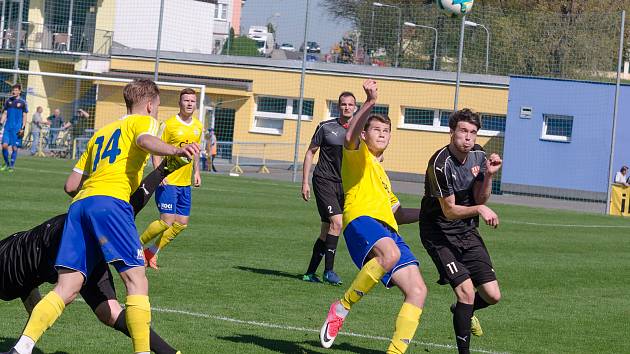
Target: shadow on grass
(7,343)
(275,273)
(284,346)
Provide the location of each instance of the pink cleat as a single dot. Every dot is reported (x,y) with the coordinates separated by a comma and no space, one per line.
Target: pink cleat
(331,327)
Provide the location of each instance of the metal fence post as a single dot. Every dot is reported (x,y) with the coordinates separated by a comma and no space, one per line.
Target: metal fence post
(16,60)
(615,111)
(460,54)
(159,41)
(301,102)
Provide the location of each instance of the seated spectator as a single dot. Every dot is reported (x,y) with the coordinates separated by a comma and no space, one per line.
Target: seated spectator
(622,176)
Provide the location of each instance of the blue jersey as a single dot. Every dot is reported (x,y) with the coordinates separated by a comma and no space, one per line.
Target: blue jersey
(15,107)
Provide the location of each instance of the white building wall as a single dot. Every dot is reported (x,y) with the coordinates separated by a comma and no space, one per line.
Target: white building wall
(188,25)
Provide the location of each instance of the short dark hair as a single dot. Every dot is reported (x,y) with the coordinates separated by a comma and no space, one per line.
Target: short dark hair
(346,94)
(17,86)
(187,91)
(623,168)
(140,90)
(464,115)
(378,117)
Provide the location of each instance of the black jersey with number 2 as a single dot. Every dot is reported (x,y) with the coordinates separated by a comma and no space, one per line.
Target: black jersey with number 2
(446,176)
(329,136)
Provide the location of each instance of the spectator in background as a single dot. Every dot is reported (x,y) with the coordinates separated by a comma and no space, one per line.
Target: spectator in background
(211,148)
(622,176)
(56,123)
(37,122)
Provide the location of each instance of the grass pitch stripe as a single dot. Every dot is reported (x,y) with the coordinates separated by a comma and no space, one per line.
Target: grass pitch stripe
(303,329)
(566,225)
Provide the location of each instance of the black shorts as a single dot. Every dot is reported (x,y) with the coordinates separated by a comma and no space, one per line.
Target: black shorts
(99,286)
(455,263)
(329,197)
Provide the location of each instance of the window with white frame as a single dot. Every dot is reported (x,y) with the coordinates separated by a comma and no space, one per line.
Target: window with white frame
(272,111)
(557,127)
(220,11)
(333,109)
(437,120)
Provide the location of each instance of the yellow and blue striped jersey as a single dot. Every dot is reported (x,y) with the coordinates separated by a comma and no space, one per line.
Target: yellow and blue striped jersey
(113,162)
(368,191)
(176,132)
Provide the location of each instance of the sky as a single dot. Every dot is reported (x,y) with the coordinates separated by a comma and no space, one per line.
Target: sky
(289,23)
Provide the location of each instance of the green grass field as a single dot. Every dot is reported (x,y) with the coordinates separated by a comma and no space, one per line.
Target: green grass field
(229,283)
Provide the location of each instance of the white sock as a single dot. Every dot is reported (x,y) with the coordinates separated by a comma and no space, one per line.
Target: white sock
(154,249)
(341,311)
(24,345)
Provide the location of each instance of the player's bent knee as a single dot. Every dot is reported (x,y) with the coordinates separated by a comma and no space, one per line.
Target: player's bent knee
(135,281)
(494,297)
(465,292)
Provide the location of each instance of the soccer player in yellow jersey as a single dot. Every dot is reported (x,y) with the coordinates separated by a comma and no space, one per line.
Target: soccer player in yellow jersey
(371,215)
(100,222)
(173,196)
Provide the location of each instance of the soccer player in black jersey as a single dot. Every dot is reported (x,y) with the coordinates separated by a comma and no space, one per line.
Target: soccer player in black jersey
(27,260)
(457,186)
(328,138)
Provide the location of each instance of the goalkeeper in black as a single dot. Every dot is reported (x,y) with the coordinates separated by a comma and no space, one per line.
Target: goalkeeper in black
(27,260)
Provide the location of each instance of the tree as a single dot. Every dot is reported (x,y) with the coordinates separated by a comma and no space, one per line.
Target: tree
(562,38)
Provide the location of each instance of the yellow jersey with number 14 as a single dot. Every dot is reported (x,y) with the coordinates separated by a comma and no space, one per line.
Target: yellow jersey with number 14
(178,133)
(367,189)
(113,162)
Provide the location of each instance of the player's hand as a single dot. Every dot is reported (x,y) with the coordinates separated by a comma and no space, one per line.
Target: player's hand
(306,191)
(164,182)
(188,151)
(489,216)
(20,133)
(197,179)
(371,89)
(493,164)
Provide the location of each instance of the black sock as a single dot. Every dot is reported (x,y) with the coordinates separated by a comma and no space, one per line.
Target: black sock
(158,345)
(480,303)
(331,249)
(461,324)
(319,248)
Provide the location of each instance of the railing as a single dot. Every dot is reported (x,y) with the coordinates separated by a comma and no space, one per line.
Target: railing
(57,39)
(261,156)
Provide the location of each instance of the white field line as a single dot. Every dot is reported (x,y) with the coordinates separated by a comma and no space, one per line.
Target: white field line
(301,329)
(567,225)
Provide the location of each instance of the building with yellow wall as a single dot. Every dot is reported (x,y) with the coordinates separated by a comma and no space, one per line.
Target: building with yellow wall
(263,96)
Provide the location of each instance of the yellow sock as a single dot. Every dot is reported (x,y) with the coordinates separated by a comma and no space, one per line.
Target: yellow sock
(169,235)
(368,276)
(44,315)
(153,230)
(406,324)
(138,320)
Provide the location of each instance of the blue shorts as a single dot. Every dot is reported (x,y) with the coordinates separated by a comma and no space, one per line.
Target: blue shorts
(97,228)
(10,137)
(361,235)
(173,200)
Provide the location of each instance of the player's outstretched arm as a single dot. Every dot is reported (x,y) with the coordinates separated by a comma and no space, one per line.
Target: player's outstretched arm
(306,170)
(358,122)
(406,215)
(149,184)
(483,189)
(155,146)
(453,211)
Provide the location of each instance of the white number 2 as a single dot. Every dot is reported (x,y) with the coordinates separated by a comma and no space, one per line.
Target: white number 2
(330,209)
